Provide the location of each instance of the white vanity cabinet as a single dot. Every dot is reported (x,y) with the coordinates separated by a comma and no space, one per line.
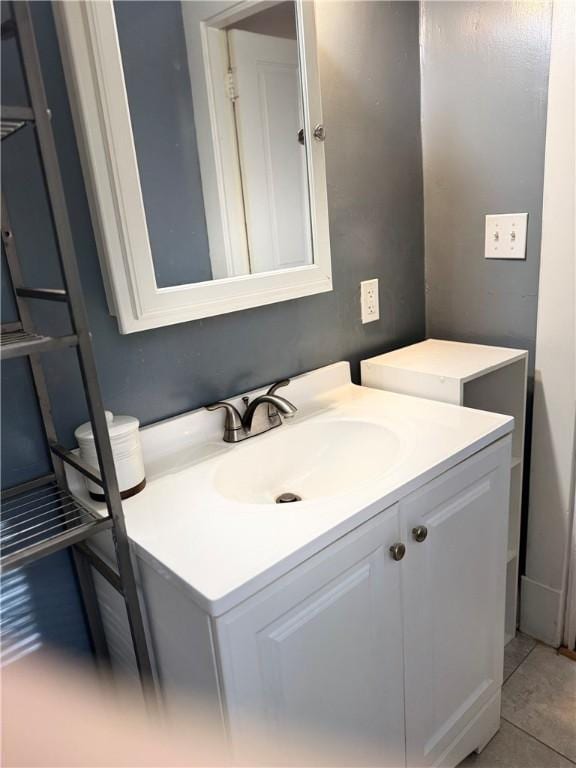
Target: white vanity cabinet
(396,659)
(453,588)
(321,650)
(385,662)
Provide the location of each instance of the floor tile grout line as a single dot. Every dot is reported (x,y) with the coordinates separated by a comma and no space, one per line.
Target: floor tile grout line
(523,730)
(517,667)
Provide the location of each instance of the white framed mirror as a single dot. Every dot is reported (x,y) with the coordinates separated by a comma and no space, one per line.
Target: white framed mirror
(201,135)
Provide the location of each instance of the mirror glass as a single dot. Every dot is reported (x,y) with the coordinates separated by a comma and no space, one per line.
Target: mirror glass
(215,102)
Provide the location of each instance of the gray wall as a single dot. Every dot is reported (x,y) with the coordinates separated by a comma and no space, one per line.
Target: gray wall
(484,80)
(484,95)
(370,90)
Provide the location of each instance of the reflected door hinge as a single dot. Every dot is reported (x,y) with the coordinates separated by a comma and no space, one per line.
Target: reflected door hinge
(231,91)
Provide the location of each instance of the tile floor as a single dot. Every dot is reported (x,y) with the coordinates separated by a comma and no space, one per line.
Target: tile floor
(538,727)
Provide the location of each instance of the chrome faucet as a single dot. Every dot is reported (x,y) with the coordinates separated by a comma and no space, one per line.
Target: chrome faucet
(250,424)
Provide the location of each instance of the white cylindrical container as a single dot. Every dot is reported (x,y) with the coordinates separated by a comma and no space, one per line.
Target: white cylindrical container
(126,449)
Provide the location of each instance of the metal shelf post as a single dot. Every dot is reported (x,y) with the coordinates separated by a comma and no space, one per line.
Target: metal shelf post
(22,339)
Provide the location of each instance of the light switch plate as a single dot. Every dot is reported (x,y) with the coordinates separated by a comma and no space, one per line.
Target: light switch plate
(505,236)
(369,300)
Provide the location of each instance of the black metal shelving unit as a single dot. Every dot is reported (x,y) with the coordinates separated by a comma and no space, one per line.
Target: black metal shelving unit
(41,517)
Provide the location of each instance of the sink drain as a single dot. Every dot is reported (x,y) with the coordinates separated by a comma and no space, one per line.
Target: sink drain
(288,498)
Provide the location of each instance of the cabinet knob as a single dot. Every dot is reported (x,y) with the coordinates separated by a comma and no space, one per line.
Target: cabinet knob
(420,532)
(398,551)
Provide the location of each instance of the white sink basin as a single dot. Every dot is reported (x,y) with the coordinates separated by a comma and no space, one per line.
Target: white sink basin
(312,460)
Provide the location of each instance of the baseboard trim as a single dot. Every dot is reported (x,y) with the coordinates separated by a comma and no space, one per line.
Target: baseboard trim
(541,611)
(563,651)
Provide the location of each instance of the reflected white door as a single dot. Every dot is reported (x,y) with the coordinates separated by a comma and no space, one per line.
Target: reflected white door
(272,159)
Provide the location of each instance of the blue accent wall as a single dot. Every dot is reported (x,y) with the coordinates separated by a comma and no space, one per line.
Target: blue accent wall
(369,62)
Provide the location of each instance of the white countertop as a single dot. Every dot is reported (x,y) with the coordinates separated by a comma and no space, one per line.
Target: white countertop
(222,551)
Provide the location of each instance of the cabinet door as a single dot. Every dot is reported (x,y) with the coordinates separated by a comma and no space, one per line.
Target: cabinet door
(453,590)
(318,656)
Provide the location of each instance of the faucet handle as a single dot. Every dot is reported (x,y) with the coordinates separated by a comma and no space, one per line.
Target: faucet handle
(274,387)
(233,419)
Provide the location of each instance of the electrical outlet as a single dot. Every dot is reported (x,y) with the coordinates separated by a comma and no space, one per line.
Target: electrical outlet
(369,300)
(505,236)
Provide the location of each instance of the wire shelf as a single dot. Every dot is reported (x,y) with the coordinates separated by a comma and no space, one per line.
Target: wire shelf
(13,118)
(21,342)
(10,338)
(8,127)
(41,521)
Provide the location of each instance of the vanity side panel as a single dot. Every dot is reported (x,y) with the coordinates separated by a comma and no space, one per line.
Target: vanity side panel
(502,391)
(117,632)
(181,638)
(114,617)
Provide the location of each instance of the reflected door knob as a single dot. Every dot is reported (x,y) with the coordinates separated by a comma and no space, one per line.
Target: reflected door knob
(319,133)
(420,533)
(397,551)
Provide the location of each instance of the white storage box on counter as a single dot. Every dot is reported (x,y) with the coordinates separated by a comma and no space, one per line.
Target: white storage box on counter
(126,449)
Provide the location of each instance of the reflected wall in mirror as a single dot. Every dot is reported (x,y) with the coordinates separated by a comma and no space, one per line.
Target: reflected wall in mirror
(201,130)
